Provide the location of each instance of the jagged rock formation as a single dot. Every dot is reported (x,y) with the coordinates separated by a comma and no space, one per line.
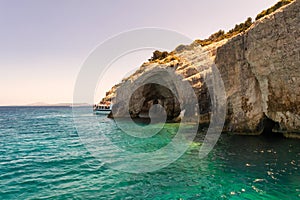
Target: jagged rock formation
(260,69)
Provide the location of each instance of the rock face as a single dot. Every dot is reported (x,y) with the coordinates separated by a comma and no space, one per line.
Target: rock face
(261,72)
(260,69)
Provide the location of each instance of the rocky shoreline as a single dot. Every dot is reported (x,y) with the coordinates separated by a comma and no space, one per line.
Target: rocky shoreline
(260,69)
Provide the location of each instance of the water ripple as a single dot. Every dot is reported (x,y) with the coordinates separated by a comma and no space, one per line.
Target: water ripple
(41,157)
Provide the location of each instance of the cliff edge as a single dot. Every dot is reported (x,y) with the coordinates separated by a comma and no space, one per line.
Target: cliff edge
(260,69)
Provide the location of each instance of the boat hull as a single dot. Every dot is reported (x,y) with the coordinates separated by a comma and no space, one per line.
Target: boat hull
(102,112)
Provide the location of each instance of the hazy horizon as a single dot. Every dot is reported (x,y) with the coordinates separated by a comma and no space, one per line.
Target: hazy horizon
(44,43)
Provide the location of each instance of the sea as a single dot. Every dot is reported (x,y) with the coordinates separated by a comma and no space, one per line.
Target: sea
(42,156)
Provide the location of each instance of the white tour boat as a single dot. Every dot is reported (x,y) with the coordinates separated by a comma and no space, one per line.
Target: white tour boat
(102,108)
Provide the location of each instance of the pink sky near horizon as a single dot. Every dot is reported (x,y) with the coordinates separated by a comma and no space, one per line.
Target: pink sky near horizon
(44,43)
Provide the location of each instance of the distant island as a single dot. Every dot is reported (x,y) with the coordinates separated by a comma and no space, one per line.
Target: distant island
(42,104)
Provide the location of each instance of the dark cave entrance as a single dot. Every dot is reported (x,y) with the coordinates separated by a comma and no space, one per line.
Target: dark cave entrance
(268,128)
(152,94)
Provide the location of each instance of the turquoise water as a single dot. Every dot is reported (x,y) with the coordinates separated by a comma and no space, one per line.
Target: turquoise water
(41,156)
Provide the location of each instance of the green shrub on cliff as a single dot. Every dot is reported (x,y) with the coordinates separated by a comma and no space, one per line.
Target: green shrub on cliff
(217,35)
(273,8)
(239,28)
(220,35)
(163,57)
(158,55)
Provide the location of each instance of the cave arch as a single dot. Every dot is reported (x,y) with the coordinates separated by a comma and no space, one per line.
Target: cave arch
(151,94)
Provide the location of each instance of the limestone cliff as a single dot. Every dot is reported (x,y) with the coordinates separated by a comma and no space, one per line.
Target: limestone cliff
(260,69)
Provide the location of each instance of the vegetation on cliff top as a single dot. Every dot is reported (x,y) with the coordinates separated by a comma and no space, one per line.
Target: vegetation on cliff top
(158,55)
(220,35)
(239,28)
(273,8)
(163,57)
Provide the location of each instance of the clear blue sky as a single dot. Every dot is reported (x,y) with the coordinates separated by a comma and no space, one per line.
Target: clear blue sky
(44,42)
